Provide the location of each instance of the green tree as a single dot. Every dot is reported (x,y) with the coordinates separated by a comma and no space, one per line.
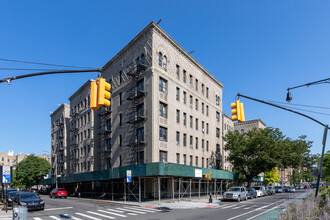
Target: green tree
(272,176)
(326,166)
(30,170)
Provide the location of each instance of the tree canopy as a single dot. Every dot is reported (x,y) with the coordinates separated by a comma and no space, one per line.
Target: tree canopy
(326,166)
(30,170)
(260,150)
(272,176)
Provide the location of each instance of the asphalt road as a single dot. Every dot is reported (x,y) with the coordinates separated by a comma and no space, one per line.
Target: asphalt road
(73,208)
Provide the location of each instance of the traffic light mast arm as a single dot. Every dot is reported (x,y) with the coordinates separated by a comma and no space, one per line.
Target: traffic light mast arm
(312,83)
(277,106)
(9,79)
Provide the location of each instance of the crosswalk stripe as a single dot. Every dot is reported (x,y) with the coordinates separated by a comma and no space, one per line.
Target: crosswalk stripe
(228,206)
(113,210)
(54,217)
(247,208)
(87,216)
(112,213)
(138,209)
(37,218)
(151,209)
(131,211)
(105,216)
(239,207)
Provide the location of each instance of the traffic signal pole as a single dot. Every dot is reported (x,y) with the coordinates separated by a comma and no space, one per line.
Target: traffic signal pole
(326,128)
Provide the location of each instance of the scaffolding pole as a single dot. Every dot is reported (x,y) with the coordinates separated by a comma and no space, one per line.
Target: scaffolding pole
(190,189)
(179,189)
(215,188)
(124,190)
(112,190)
(139,190)
(159,189)
(199,189)
(173,188)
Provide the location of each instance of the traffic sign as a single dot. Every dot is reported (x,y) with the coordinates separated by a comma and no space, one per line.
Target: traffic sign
(6,174)
(128,176)
(5,178)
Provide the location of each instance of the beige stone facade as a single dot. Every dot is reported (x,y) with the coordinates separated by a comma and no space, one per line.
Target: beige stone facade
(9,159)
(228,125)
(249,125)
(60,120)
(168,112)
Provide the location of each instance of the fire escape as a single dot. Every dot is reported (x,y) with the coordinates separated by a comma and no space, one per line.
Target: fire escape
(73,142)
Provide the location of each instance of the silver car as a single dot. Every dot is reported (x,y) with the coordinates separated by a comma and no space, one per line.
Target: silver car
(261,190)
(236,193)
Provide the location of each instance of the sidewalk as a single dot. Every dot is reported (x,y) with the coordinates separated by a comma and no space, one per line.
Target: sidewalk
(4,215)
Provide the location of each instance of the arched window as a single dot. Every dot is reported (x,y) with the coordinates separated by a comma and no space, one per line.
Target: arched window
(165,63)
(160,57)
(142,59)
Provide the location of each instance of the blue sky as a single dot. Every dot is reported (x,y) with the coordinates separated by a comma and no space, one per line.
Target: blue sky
(257,48)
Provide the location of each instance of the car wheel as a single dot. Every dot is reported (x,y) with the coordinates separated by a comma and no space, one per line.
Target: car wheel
(246,198)
(238,199)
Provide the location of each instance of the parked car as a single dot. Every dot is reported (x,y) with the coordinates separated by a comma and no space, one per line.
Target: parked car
(252,193)
(30,200)
(261,190)
(291,189)
(3,194)
(58,193)
(35,190)
(285,189)
(10,196)
(307,187)
(270,190)
(278,189)
(236,193)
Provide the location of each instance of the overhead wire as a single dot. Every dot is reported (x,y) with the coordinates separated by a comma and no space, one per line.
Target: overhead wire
(310,106)
(25,69)
(320,113)
(46,64)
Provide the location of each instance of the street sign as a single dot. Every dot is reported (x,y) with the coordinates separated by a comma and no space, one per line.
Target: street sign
(6,174)
(198,173)
(128,176)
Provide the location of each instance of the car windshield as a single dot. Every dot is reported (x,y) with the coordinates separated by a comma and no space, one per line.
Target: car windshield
(29,196)
(12,194)
(257,187)
(234,189)
(61,190)
(250,189)
(278,187)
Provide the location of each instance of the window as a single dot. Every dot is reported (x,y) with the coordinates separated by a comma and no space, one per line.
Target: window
(178,158)
(184,75)
(120,77)
(191,160)
(89,133)
(140,134)
(196,104)
(177,116)
(162,85)
(141,157)
(217,116)
(203,162)
(207,110)
(120,140)
(165,63)
(207,163)
(217,100)
(218,148)
(108,144)
(184,140)
(191,141)
(203,107)
(218,132)
(196,161)
(207,145)
(184,97)
(140,86)
(177,138)
(196,144)
(191,121)
(190,80)
(207,92)
(177,73)
(184,118)
(196,124)
(142,59)
(185,159)
(202,88)
(203,123)
(120,161)
(177,94)
(191,101)
(196,84)
(163,110)
(203,144)
(120,119)
(162,134)
(163,156)
(120,98)
(207,128)
(108,122)
(140,110)
(160,57)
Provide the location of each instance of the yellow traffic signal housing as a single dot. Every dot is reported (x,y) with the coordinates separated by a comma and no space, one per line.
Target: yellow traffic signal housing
(237,111)
(103,93)
(207,176)
(93,97)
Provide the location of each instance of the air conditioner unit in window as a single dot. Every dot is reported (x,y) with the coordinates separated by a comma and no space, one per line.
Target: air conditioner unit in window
(203,130)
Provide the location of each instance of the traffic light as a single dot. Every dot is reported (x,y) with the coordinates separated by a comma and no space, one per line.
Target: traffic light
(237,111)
(207,176)
(103,93)
(100,94)
(93,98)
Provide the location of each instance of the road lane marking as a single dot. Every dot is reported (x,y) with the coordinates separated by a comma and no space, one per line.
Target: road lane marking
(151,209)
(138,209)
(112,213)
(262,213)
(87,216)
(58,208)
(228,206)
(37,218)
(239,207)
(72,217)
(131,211)
(105,216)
(54,217)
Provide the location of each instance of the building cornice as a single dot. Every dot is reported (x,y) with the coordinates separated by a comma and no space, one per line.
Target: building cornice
(81,88)
(62,106)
